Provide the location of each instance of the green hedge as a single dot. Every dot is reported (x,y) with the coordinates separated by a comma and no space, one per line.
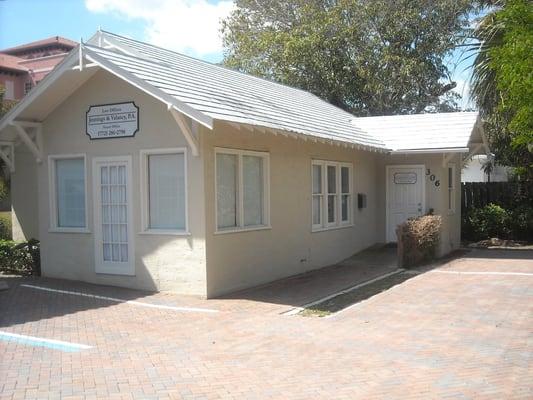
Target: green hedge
(20,258)
(495,221)
(5,225)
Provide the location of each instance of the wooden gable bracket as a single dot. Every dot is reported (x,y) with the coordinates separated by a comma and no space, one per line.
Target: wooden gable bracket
(446,159)
(34,141)
(187,131)
(7,154)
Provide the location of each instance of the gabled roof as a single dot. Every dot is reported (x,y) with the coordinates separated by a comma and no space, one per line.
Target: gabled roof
(206,92)
(11,63)
(431,131)
(228,95)
(54,40)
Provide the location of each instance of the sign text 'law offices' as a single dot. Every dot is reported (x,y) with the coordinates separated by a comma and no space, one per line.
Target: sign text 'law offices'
(107,121)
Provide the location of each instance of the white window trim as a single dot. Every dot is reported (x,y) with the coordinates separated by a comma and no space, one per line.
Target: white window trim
(452,210)
(145,203)
(240,206)
(338,224)
(52,192)
(100,265)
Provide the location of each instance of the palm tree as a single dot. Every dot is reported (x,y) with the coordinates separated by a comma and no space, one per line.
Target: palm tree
(488,35)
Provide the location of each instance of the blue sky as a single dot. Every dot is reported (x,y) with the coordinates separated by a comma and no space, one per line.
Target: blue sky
(187,26)
(24,21)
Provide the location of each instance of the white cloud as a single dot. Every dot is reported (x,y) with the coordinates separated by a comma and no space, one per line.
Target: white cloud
(189,26)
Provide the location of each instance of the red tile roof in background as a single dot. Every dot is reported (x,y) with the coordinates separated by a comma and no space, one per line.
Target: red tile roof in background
(54,40)
(11,63)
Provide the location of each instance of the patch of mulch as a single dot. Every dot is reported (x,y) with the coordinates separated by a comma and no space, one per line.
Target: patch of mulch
(497,243)
(344,300)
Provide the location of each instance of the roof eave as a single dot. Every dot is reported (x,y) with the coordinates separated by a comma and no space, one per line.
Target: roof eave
(432,151)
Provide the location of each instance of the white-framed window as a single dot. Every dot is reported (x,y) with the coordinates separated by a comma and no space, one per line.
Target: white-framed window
(164,191)
(68,193)
(242,190)
(451,188)
(332,194)
(27,87)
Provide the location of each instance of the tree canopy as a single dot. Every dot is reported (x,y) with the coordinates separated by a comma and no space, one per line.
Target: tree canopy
(370,57)
(502,82)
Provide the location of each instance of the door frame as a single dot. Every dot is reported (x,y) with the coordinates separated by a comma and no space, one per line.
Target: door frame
(387,194)
(99,267)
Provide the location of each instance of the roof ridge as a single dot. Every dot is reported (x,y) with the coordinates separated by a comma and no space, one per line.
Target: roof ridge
(226,68)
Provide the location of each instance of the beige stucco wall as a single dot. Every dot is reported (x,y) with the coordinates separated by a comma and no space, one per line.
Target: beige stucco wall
(24,196)
(163,262)
(242,259)
(436,196)
(206,263)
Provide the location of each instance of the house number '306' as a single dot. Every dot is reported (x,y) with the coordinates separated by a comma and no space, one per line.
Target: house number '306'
(432,178)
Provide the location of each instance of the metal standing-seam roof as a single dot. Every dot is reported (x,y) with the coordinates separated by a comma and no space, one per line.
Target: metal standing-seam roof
(229,95)
(429,131)
(206,92)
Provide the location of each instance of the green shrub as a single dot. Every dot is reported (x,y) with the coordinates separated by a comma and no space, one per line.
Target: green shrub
(487,222)
(521,223)
(5,226)
(20,258)
(418,240)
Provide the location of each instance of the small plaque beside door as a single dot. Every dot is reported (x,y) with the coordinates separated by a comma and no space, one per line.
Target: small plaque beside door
(405,178)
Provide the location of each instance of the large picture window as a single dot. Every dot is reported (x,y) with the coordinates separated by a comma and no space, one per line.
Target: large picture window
(241,190)
(331,194)
(67,193)
(165,193)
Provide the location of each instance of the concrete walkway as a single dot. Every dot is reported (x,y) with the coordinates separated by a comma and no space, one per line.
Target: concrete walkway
(305,288)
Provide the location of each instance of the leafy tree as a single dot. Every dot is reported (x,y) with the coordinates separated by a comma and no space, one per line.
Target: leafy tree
(370,57)
(502,81)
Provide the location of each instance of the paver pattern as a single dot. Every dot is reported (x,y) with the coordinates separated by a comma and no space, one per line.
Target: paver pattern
(434,336)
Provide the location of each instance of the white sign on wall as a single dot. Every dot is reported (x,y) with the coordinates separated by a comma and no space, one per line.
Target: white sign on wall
(404,178)
(107,121)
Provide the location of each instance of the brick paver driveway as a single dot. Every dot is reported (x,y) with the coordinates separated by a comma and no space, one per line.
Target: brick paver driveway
(464,330)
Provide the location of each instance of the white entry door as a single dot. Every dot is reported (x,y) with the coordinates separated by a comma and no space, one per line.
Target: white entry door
(113,216)
(405,196)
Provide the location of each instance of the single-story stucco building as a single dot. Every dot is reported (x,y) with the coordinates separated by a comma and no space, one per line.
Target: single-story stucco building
(136,166)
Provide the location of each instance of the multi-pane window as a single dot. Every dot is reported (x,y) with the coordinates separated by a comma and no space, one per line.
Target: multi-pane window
(68,193)
(114,211)
(331,194)
(346,194)
(241,189)
(451,188)
(318,195)
(165,191)
(27,87)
